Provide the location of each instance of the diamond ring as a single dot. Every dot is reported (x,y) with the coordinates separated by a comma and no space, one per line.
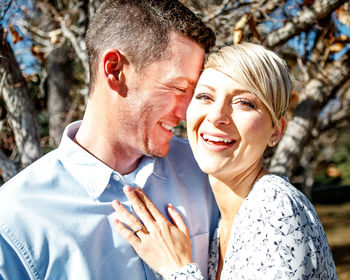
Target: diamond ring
(139,227)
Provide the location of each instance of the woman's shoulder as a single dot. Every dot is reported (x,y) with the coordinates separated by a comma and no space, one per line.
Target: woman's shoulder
(276,202)
(288,236)
(274,184)
(272,191)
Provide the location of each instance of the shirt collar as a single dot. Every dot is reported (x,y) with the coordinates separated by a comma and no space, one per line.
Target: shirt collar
(92,173)
(159,168)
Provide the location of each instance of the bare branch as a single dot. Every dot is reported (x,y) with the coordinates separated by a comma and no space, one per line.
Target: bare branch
(303,22)
(4,8)
(217,11)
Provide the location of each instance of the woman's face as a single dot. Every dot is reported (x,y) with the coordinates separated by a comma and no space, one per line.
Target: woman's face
(228,127)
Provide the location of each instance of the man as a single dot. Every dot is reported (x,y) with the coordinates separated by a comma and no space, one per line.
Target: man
(56,216)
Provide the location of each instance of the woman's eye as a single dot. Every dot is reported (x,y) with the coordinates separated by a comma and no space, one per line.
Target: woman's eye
(202,96)
(246,103)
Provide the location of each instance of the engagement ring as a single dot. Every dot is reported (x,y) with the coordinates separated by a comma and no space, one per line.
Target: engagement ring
(139,227)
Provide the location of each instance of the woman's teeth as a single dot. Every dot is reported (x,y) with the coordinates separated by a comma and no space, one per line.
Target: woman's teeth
(211,138)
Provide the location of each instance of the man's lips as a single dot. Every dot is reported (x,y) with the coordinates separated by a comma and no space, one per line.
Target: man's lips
(167,127)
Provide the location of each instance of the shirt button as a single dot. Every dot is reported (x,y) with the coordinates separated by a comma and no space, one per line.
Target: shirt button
(108,186)
(116,177)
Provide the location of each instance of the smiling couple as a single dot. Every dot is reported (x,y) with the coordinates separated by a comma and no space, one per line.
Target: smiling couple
(145,59)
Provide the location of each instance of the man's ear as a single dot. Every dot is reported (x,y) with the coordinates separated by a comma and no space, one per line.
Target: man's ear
(113,64)
(278,131)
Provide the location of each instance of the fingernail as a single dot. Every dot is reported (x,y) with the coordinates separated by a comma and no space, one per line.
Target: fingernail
(138,189)
(127,188)
(170,207)
(116,203)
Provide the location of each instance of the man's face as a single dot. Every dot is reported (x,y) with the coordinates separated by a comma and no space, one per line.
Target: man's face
(158,98)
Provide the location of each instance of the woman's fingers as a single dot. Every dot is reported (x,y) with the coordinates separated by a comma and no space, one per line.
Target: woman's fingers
(164,246)
(177,220)
(139,207)
(152,209)
(129,219)
(127,234)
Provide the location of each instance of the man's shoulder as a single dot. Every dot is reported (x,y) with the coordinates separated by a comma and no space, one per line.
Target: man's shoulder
(180,148)
(178,142)
(44,161)
(20,196)
(180,152)
(181,161)
(34,175)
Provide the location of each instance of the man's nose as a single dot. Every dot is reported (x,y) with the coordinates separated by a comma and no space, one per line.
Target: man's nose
(181,106)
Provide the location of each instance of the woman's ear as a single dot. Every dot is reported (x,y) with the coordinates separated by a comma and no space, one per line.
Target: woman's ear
(278,131)
(113,65)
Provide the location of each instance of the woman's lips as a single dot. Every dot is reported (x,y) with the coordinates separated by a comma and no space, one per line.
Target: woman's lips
(216,142)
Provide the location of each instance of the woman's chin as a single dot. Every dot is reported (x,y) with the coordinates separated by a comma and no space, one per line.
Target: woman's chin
(210,168)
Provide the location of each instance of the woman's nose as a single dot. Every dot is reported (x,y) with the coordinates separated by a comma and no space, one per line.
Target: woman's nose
(219,114)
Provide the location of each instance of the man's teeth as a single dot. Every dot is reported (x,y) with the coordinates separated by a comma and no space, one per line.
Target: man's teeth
(216,139)
(167,127)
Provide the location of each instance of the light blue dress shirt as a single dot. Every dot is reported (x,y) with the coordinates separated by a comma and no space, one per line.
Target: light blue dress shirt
(56,215)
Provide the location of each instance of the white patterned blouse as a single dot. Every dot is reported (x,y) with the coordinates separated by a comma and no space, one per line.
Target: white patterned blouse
(275,235)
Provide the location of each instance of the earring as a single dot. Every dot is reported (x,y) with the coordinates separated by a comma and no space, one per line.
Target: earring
(274,142)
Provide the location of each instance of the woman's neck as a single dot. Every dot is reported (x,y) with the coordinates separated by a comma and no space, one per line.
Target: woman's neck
(229,195)
(231,192)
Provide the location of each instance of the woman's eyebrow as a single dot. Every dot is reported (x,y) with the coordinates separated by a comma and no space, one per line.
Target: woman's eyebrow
(240,91)
(207,86)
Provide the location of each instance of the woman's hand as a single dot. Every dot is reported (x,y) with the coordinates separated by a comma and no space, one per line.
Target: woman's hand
(164,246)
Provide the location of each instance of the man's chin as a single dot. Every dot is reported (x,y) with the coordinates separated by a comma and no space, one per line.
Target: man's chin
(158,152)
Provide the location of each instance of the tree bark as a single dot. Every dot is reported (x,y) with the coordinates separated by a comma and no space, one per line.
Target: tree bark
(59,84)
(8,168)
(316,94)
(20,109)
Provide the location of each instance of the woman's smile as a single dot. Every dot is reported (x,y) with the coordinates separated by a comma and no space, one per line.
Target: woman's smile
(216,143)
(228,126)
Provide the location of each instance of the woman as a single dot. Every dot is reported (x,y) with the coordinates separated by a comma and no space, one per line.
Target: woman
(268,229)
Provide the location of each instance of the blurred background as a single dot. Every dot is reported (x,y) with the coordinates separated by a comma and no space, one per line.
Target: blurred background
(44,86)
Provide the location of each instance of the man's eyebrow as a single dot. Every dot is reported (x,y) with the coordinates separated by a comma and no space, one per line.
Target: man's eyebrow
(189,82)
(192,83)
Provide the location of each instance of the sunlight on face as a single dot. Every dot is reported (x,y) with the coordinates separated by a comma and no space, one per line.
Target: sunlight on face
(228,127)
(158,101)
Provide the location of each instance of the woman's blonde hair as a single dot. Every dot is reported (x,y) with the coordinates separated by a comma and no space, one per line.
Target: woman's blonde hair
(260,71)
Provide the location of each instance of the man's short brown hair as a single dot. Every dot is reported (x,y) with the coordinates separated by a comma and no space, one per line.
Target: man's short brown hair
(140,29)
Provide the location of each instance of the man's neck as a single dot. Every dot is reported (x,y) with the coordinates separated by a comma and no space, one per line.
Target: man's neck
(113,156)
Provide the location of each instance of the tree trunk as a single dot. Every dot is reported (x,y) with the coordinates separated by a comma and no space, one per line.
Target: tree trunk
(20,109)
(8,168)
(59,83)
(316,94)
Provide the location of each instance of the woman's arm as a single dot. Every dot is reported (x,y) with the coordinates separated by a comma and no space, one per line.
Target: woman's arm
(164,246)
